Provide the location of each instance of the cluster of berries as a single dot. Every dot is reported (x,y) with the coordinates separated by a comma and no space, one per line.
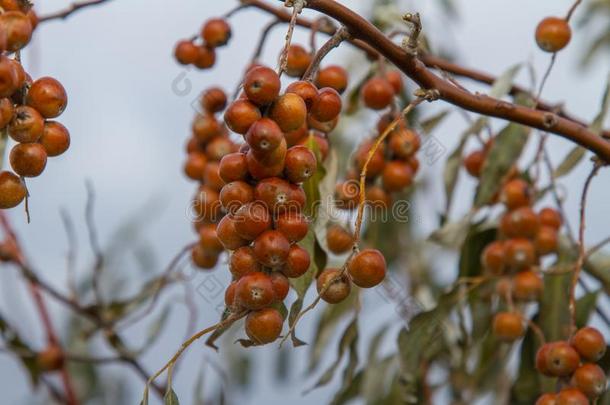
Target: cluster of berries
(215,32)
(26,107)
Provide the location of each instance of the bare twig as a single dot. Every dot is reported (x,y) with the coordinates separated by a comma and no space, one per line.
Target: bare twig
(341,35)
(572,10)
(71,9)
(94,242)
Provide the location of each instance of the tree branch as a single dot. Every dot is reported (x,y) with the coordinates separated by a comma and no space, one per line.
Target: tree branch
(71,9)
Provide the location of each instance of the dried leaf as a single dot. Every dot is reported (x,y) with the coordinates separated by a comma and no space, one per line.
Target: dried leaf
(572,159)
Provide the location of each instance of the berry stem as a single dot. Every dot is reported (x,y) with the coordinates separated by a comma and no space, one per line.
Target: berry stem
(341,35)
(297,7)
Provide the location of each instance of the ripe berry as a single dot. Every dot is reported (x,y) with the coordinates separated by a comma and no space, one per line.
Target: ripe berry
(508,326)
(346,195)
(50,359)
(208,239)
(7,111)
(297,262)
(195,165)
(571,396)
(547,399)
(272,157)
(322,126)
(294,225)
(297,61)
(332,76)
(214,100)
(527,286)
(338,239)
(242,262)
(27,125)
(378,198)
(281,286)
(395,79)
(216,32)
(397,176)
(12,190)
(522,223)
(474,163)
(300,164)
(561,359)
(236,194)
(377,93)
(375,165)
(219,147)
(255,291)
(240,116)
(332,286)
(228,234)
(55,138)
(28,159)
(262,170)
(520,253)
(590,379)
(264,326)
(516,193)
(553,34)
(321,143)
(289,111)
(589,343)
(206,57)
(206,204)
(211,178)
(493,257)
(8,77)
(262,85)
(546,240)
(48,97)
(203,258)
(206,127)
(18,29)
(550,217)
(367,268)
(186,52)
(264,136)
(271,248)
(327,106)
(404,143)
(251,220)
(278,195)
(306,90)
(230,301)
(233,167)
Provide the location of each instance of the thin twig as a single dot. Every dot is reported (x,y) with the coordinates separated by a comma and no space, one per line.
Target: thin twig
(333,42)
(71,9)
(297,7)
(71,255)
(572,9)
(94,242)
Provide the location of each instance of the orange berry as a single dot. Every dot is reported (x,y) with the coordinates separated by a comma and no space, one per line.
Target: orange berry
(216,32)
(332,76)
(55,138)
(377,93)
(264,326)
(571,396)
(12,190)
(520,253)
(516,193)
(493,257)
(367,269)
(527,286)
(589,343)
(474,162)
(332,286)
(508,326)
(546,240)
(550,217)
(289,112)
(262,85)
(338,239)
(298,60)
(590,379)
(255,291)
(297,262)
(553,34)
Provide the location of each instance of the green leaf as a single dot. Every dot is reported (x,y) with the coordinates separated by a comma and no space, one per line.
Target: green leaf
(598,122)
(312,185)
(504,83)
(585,305)
(527,385)
(554,311)
(170,397)
(478,237)
(503,154)
(353,98)
(572,159)
(155,329)
(348,341)
(301,284)
(452,234)
(429,124)
(452,170)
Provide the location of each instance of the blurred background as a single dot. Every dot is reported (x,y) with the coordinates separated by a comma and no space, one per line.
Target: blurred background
(129,114)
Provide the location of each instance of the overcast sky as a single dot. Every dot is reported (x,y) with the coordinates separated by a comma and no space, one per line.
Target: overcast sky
(129,127)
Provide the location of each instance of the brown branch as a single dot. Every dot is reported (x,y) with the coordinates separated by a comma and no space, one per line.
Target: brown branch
(560,122)
(71,9)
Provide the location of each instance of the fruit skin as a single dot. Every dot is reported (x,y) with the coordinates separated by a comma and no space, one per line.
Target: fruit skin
(508,326)
(205,127)
(211,178)
(28,159)
(327,106)
(18,29)
(546,240)
(50,359)
(206,57)
(230,296)
(395,79)
(332,76)
(590,379)
(12,190)
(233,167)
(242,262)
(255,291)
(367,269)
(553,34)
(297,262)
(376,164)
(298,60)
(404,143)
(264,326)
(474,163)
(336,291)
(589,343)
(262,85)
(203,258)
(216,32)
(294,225)
(218,147)
(8,77)
(206,204)
(48,97)
(527,286)
(377,93)
(251,220)
(396,176)
(522,222)
(7,111)
(550,217)
(186,52)
(289,111)
(214,100)
(264,136)
(281,286)
(259,170)
(516,193)
(561,359)
(240,115)
(520,253)
(300,164)
(571,396)
(228,234)
(271,248)
(27,125)
(493,257)
(208,238)
(547,399)
(278,195)
(338,239)
(235,195)
(55,138)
